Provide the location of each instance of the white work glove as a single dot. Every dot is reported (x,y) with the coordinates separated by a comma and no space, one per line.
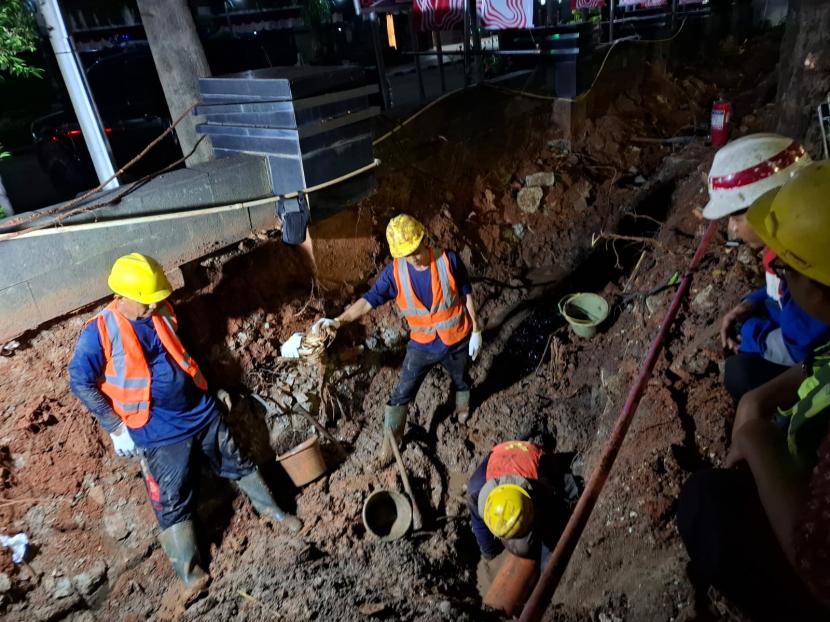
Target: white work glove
(324,324)
(123,442)
(475,345)
(291,348)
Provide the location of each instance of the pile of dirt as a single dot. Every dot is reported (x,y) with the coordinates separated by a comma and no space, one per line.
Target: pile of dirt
(470,170)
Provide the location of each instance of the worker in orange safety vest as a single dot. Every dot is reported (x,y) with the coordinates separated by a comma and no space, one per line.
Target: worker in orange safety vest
(432,290)
(132,372)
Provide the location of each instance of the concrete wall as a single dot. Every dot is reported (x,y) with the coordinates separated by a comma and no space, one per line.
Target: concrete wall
(44,277)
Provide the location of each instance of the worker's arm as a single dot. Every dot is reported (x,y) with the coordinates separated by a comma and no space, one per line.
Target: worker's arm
(382,292)
(780,483)
(471,309)
(488,544)
(763,403)
(86,366)
(354,311)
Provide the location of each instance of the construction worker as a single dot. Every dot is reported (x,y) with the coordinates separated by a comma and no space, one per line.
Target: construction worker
(767,331)
(760,534)
(433,292)
(132,372)
(514,503)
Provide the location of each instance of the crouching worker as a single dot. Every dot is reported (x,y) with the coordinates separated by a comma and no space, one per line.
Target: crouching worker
(767,332)
(513,502)
(759,532)
(132,372)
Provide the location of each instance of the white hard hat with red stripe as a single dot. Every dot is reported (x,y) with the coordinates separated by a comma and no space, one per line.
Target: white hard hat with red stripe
(749,167)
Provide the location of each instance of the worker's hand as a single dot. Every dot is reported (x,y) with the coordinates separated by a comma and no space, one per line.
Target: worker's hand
(323,325)
(224,398)
(475,344)
(737,313)
(123,442)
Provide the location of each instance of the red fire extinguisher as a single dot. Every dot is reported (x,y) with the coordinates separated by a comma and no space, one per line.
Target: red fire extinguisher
(719,131)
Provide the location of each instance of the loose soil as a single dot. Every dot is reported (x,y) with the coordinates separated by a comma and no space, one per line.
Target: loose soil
(94,553)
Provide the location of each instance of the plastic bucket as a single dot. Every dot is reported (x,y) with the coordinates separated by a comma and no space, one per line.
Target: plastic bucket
(304,463)
(387,515)
(584,312)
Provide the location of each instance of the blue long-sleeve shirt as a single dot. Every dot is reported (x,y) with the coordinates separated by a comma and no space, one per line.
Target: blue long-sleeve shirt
(178,408)
(545,519)
(781,332)
(385,290)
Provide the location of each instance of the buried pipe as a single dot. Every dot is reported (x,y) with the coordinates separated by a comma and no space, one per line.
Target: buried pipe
(512,584)
(558,561)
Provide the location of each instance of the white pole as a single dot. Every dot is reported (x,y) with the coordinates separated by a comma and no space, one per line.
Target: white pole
(92,128)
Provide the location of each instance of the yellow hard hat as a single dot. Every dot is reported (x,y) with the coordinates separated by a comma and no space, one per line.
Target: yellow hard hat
(508,511)
(794,221)
(404,235)
(140,278)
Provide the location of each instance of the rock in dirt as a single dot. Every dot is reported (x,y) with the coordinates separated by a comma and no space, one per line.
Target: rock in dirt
(116,527)
(545,178)
(373,609)
(96,494)
(61,587)
(529,199)
(57,610)
(5,582)
(705,298)
(87,582)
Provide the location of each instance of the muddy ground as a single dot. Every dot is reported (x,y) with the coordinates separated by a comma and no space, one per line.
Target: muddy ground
(94,553)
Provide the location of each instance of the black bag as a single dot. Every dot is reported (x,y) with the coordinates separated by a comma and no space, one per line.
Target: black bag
(295,217)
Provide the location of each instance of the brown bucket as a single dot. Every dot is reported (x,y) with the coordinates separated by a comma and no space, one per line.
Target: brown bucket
(304,463)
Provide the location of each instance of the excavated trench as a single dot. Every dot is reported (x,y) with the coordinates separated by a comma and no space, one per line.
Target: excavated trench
(526,347)
(237,307)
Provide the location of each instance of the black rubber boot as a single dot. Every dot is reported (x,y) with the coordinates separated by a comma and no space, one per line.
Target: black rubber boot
(394,418)
(462,406)
(263,501)
(179,543)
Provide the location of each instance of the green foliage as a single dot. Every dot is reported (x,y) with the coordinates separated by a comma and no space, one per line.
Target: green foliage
(316,12)
(17,36)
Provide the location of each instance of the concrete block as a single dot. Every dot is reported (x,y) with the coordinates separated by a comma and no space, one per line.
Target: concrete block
(18,302)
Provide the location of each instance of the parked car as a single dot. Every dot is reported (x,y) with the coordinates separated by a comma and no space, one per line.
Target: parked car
(131,103)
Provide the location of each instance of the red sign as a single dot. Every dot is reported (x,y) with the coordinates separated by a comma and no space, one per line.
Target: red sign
(587,4)
(380,6)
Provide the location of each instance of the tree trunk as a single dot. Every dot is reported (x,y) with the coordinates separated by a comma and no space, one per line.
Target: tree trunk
(804,71)
(180,62)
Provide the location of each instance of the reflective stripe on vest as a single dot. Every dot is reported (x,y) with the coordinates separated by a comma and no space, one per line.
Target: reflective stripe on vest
(447,317)
(126,380)
(514,458)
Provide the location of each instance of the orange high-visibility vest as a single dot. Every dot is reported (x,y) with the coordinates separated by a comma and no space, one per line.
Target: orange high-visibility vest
(447,318)
(126,380)
(514,458)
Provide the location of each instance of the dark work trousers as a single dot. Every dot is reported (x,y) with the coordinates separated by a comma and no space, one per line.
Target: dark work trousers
(745,372)
(733,548)
(172,469)
(417,364)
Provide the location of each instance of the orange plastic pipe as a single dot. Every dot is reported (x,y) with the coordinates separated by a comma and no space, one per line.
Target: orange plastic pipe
(512,585)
